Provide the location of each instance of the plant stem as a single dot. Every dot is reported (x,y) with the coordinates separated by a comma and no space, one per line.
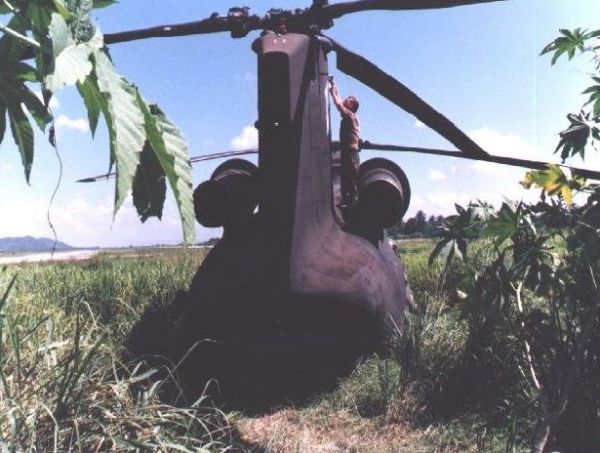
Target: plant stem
(528,357)
(9,6)
(16,34)
(541,436)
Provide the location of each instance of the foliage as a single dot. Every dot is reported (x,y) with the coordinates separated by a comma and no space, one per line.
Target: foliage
(538,287)
(554,181)
(63,384)
(69,50)
(418,226)
(425,383)
(390,401)
(583,129)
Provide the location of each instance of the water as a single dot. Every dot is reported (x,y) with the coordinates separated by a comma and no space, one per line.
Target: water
(71,255)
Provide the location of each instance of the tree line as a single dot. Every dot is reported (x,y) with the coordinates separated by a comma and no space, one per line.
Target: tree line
(420,225)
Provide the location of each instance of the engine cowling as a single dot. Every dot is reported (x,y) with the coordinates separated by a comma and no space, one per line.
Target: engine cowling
(384,193)
(229,196)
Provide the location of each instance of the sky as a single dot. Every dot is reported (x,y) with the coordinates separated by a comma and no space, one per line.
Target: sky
(479,65)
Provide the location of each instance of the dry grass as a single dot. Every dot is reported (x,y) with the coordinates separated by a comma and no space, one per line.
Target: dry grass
(315,431)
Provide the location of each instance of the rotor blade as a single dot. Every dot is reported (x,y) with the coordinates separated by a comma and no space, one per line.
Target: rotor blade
(193,160)
(366,72)
(106,177)
(340,9)
(213,24)
(530,164)
(223,154)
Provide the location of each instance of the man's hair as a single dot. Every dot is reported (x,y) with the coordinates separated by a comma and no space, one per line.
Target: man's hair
(353,103)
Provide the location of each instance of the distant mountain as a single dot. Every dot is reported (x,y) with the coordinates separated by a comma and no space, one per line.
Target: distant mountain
(30,244)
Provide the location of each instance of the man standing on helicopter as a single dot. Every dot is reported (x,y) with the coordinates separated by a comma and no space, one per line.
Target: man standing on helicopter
(349,146)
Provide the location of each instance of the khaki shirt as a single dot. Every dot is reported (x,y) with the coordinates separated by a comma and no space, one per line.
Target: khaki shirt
(349,132)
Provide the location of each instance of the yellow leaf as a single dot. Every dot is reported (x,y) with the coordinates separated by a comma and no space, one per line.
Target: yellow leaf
(567,194)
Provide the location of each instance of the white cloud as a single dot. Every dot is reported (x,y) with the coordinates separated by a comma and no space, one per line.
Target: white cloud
(419,124)
(6,168)
(78,124)
(248,138)
(442,201)
(510,145)
(85,223)
(250,77)
(436,175)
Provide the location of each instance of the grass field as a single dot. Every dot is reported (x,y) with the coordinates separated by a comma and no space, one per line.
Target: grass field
(62,326)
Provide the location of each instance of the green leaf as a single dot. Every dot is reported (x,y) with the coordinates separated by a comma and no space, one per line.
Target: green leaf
(19,71)
(149,186)
(11,48)
(103,3)
(40,16)
(37,109)
(501,226)
(594,92)
(62,9)
(92,99)
(23,135)
(439,247)
(171,151)
(126,122)
(2,120)
(574,139)
(569,43)
(14,90)
(72,61)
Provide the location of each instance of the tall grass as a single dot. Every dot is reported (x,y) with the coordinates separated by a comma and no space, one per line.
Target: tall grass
(415,382)
(64,388)
(62,384)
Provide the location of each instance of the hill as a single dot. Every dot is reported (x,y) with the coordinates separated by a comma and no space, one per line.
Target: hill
(30,244)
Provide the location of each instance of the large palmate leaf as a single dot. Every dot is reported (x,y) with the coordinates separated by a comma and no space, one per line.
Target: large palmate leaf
(502,225)
(582,131)
(126,121)
(554,181)
(171,151)
(569,43)
(14,94)
(68,49)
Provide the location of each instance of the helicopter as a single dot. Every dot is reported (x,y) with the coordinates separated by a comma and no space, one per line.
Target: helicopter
(297,289)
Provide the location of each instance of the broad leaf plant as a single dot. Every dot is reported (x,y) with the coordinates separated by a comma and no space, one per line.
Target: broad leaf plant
(536,275)
(54,44)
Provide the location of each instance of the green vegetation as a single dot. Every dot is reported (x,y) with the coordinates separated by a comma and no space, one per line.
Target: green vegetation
(68,50)
(418,226)
(62,387)
(62,384)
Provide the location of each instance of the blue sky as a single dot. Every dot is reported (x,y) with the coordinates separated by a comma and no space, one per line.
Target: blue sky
(479,65)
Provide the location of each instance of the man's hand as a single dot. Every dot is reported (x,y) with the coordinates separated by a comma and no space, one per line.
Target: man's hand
(334,91)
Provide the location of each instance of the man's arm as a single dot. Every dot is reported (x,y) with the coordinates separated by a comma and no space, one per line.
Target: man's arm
(337,100)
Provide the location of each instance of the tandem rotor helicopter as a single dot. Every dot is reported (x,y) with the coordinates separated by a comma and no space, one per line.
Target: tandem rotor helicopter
(296,290)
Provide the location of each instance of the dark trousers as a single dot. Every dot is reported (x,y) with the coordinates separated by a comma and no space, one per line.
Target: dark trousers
(349,184)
